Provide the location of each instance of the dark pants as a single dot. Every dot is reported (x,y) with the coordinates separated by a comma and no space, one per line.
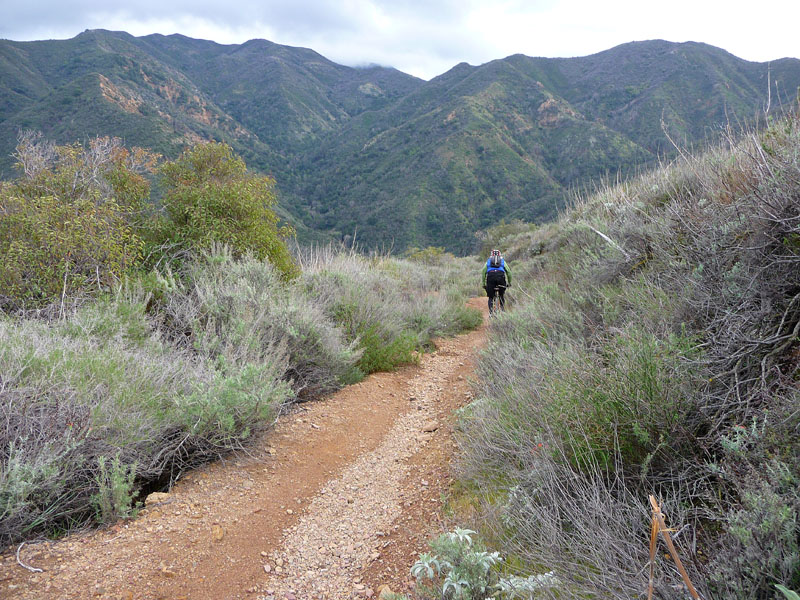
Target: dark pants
(496,284)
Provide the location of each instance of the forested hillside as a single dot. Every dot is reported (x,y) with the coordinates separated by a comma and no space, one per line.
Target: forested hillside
(395,160)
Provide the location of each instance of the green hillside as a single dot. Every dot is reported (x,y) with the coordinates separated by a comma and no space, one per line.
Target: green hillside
(103,84)
(284,95)
(379,154)
(473,146)
(694,88)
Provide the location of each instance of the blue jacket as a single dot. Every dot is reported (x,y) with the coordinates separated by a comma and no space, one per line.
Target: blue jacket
(488,268)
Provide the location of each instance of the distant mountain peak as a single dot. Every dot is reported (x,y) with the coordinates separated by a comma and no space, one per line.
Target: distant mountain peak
(404,161)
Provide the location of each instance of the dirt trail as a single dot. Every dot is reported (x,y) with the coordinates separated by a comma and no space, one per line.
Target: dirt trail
(333,502)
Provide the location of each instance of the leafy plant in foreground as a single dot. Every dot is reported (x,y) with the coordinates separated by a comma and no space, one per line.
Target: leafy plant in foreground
(114,497)
(72,223)
(459,568)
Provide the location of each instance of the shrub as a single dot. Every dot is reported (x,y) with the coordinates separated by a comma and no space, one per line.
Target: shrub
(209,197)
(174,369)
(760,544)
(367,307)
(658,324)
(35,491)
(458,568)
(114,497)
(72,222)
(461,568)
(85,399)
(389,307)
(759,541)
(432,255)
(240,311)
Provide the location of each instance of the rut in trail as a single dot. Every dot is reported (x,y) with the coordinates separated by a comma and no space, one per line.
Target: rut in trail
(336,500)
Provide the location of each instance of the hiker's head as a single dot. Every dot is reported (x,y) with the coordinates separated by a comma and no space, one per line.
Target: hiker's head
(495,252)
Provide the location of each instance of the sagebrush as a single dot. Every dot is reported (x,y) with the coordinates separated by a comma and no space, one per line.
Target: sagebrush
(653,350)
(180,366)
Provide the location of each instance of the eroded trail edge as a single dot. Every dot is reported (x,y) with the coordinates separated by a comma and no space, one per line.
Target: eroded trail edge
(333,502)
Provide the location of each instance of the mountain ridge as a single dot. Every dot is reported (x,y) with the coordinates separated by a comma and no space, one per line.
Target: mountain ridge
(401,161)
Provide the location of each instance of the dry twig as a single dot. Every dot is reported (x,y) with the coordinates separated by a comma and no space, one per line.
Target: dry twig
(659,526)
(23,565)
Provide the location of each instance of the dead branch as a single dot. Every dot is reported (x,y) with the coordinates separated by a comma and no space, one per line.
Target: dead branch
(23,565)
(611,242)
(659,526)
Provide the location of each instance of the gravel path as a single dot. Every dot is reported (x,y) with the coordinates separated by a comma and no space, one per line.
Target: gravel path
(360,505)
(333,502)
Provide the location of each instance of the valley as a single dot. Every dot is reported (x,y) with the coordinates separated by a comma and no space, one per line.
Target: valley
(380,156)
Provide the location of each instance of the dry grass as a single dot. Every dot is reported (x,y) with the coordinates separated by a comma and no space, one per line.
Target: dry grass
(653,350)
(99,400)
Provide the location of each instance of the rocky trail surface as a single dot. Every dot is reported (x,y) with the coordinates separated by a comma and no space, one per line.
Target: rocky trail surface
(335,501)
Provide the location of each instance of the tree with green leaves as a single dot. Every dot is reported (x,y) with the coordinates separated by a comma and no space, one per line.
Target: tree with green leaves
(211,198)
(72,222)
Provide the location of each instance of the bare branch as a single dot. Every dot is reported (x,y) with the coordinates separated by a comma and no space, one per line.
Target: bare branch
(23,565)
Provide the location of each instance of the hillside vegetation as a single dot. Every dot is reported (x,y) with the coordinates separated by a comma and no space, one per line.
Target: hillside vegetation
(375,153)
(136,344)
(127,392)
(652,349)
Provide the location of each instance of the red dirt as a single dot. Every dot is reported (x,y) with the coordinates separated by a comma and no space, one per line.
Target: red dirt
(246,527)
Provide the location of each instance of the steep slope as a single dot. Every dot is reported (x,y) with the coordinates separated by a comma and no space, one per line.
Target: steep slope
(509,138)
(380,154)
(101,83)
(693,88)
(164,92)
(476,145)
(286,96)
(21,81)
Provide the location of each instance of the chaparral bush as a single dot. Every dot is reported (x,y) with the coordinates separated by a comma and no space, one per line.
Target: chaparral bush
(653,350)
(139,339)
(98,402)
(72,223)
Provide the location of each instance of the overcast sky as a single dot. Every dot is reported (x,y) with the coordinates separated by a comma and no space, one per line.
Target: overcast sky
(426,37)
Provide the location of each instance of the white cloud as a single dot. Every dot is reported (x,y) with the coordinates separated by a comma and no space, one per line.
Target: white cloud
(425,37)
(580,28)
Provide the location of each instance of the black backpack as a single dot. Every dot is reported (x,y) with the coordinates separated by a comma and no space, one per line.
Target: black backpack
(496,261)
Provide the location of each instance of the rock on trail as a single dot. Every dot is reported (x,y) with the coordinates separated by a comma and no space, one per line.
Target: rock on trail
(335,501)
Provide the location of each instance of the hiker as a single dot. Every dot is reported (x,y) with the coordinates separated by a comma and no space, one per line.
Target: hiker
(496,278)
